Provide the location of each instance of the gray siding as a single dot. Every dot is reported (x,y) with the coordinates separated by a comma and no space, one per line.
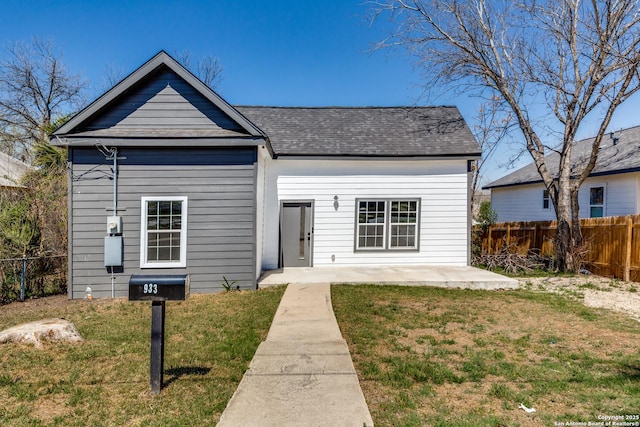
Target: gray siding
(163,101)
(220,186)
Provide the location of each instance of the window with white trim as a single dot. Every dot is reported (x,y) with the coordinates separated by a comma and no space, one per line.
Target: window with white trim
(387,224)
(164,232)
(596,202)
(371,224)
(545,199)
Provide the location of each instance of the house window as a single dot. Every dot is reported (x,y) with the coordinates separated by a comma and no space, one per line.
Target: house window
(164,232)
(387,224)
(371,224)
(596,202)
(545,199)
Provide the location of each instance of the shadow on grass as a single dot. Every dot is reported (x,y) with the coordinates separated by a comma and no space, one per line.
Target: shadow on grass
(176,373)
(630,372)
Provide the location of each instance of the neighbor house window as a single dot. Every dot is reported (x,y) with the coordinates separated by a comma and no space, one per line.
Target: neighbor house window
(545,199)
(164,232)
(387,224)
(596,202)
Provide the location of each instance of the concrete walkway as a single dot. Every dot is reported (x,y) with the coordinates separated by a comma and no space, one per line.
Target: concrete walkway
(302,374)
(440,276)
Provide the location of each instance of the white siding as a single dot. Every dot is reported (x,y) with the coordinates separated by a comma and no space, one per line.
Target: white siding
(441,186)
(620,194)
(521,203)
(524,202)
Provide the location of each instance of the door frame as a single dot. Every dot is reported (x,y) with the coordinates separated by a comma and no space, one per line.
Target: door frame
(301,202)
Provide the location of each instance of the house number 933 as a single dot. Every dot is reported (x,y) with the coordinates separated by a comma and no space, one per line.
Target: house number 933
(150,288)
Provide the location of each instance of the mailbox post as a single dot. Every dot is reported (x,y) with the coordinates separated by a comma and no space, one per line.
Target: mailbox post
(157,346)
(158,289)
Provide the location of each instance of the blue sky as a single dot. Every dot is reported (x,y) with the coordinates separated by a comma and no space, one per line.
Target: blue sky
(273,52)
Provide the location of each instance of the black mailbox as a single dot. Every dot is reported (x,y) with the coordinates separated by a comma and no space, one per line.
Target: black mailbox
(158,287)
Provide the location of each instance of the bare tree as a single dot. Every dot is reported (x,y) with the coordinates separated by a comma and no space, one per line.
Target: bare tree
(111,76)
(552,63)
(35,89)
(490,128)
(208,68)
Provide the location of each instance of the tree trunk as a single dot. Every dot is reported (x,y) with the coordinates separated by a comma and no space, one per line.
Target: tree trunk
(569,235)
(575,219)
(564,240)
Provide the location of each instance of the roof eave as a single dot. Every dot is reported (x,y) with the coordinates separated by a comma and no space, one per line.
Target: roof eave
(332,156)
(85,141)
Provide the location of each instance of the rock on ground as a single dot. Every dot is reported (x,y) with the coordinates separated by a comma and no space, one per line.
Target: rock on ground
(53,330)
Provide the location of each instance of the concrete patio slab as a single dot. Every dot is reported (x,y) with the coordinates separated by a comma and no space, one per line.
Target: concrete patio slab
(438,276)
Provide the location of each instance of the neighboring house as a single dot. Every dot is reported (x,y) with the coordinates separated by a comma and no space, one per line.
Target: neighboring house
(222,192)
(612,189)
(480,197)
(11,171)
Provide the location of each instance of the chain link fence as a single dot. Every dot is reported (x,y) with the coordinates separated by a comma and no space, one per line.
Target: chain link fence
(29,277)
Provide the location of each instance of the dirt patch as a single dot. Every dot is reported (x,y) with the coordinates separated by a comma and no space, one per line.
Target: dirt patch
(517,322)
(47,409)
(620,301)
(593,291)
(36,304)
(459,398)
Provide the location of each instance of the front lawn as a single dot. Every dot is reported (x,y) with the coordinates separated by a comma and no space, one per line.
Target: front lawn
(424,356)
(439,357)
(209,342)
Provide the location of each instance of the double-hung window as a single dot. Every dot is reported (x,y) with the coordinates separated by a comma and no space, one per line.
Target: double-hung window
(371,224)
(164,232)
(387,224)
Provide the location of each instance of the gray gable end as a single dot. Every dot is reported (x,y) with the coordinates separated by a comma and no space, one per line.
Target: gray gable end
(160,100)
(163,105)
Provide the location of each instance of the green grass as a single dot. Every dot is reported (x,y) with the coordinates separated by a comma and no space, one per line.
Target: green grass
(424,356)
(104,381)
(429,356)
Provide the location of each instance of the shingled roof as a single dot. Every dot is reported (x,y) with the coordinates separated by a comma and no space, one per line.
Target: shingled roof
(364,131)
(616,156)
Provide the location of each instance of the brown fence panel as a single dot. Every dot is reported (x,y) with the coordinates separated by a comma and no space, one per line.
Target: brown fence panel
(611,245)
(634,259)
(605,240)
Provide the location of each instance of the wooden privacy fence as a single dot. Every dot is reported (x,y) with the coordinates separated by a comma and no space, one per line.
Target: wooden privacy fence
(612,244)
